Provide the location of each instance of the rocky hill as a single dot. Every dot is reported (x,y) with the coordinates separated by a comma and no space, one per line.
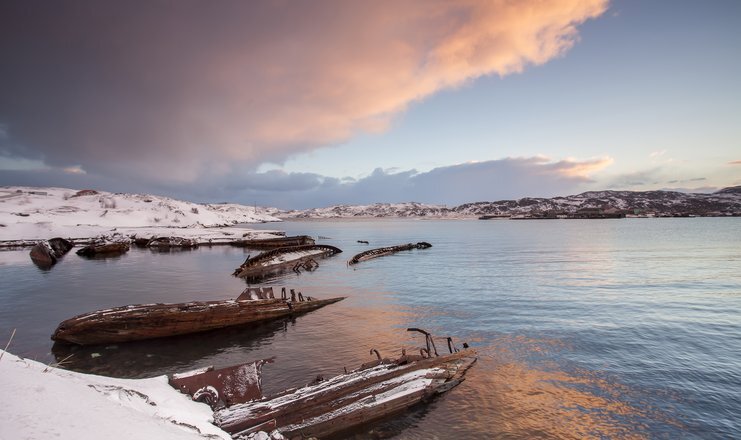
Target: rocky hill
(410,209)
(726,202)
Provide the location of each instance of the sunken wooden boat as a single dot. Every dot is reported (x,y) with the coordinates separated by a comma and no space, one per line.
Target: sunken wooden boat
(289,258)
(149,321)
(273,243)
(104,249)
(46,253)
(380,252)
(376,390)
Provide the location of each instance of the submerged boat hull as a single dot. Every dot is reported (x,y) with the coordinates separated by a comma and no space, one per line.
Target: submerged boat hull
(148,321)
(348,400)
(381,252)
(282,260)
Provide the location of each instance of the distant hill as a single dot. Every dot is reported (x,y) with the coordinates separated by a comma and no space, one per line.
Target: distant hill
(725,202)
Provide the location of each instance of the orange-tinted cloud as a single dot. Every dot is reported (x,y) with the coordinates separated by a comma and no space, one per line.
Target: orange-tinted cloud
(734,162)
(579,169)
(172,91)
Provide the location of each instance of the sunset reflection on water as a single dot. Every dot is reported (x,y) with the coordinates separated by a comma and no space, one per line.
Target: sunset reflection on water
(583,329)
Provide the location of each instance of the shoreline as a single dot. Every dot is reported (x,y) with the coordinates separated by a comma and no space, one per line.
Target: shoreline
(84,234)
(88,406)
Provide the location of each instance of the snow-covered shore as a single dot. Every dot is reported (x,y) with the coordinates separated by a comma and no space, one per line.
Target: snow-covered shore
(47,402)
(28,213)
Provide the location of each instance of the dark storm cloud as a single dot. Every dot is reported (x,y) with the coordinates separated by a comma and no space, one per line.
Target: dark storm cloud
(183,93)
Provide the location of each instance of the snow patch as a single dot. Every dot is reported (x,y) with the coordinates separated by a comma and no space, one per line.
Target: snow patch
(41,213)
(50,402)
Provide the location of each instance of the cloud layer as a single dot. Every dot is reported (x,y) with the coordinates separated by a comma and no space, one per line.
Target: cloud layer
(508,178)
(175,93)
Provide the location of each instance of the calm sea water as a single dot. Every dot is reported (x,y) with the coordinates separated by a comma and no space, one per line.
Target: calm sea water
(624,328)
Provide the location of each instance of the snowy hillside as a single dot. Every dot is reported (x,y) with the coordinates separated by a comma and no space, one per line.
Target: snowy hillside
(661,203)
(27,213)
(410,209)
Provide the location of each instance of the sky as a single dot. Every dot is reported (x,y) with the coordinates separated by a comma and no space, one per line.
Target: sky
(311,104)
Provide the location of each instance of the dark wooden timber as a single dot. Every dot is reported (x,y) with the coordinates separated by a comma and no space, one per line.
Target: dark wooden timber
(378,389)
(272,243)
(283,260)
(148,321)
(380,252)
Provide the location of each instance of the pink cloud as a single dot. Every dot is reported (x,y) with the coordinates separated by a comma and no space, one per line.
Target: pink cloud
(203,88)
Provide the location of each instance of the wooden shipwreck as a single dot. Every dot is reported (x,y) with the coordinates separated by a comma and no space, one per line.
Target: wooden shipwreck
(46,253)
(104,249)
(148,321)
(376,390)
(380,252)
(284,259)
(273,243)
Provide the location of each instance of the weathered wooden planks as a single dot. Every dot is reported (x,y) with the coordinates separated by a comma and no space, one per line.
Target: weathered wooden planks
(348,400)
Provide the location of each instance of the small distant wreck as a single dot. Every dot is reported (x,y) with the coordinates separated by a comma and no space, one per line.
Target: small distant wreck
(273,243)
(45,254)
(104,249)
(378,389)
(149,321)
(284,259)
(381,252)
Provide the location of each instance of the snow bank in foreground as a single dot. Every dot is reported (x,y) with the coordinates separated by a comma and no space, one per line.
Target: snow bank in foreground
(28,213)
(44,403)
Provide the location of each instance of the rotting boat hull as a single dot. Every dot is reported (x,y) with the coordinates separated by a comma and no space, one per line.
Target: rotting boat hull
(349,400)
(149,321)
(282,260)
(272,243)
(381,252)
